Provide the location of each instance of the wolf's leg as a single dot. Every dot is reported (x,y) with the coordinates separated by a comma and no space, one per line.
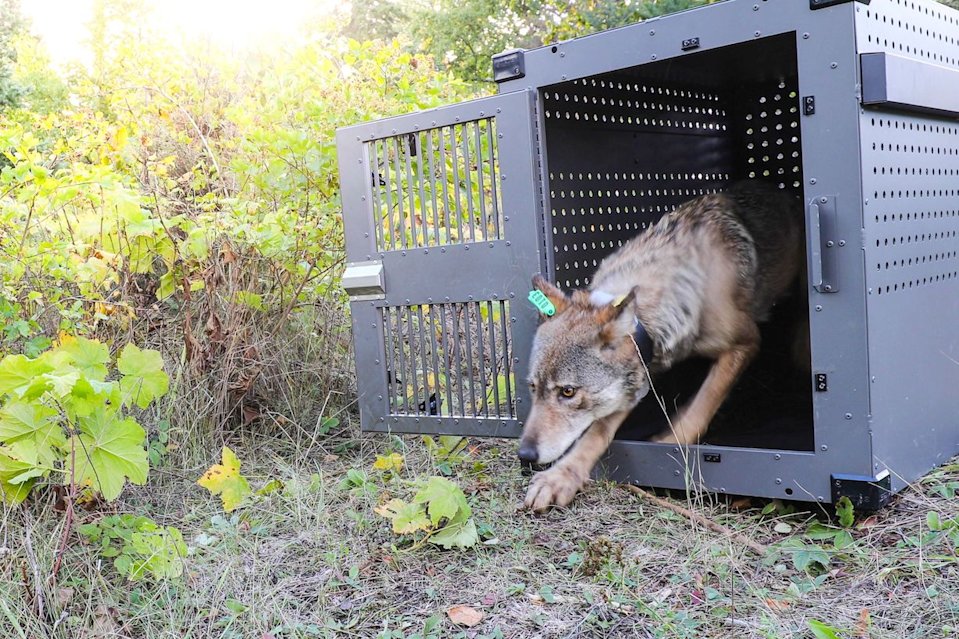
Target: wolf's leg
(560,483)
(694,419)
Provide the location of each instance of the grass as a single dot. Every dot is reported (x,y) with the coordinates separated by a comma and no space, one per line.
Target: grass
(314,560)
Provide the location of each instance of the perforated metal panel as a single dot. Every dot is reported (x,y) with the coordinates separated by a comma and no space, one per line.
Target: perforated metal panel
(910,167)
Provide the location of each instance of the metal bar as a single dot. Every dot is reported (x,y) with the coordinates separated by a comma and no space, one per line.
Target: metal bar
(469,183)
(399,342)
(399,192)
(390,360)
(410,191)
(426,367)
(444,178)
(447,354)
(481,356)
(507,364)
(494,183)
(492,357)
(469,361)
(389,197)
(432,169)
(420,178)
(377,205)
(436,364)
(479,178)
(412,357)
(457,350)
(458,210)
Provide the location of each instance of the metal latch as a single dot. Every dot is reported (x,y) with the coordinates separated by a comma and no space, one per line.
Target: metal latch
(364,281)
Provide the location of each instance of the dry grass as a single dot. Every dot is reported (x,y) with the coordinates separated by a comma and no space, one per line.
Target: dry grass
(314,560)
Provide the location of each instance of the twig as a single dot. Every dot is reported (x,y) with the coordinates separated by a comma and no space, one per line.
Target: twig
(37,594)
(754,546)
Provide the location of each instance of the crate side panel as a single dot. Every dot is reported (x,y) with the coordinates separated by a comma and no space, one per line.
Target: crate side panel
(911,237)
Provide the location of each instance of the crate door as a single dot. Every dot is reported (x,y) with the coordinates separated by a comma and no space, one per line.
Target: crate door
(442,212)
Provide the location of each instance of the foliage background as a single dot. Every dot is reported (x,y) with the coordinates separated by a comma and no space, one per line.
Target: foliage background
(186,200)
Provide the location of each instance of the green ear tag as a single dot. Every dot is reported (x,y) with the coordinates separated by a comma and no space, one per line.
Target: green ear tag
(542,303)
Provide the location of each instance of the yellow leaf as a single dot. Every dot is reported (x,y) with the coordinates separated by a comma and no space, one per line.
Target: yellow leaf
(392,462)
(226,481)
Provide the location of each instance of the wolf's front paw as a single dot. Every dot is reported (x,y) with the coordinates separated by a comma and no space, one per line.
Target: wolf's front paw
(554,487)
(665,437)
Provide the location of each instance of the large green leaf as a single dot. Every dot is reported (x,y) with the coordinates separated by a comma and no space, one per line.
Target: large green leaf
(18,372)
(34,423)
(443,499)
(108,451)
(88,356)
(456,535)
(143,377)
(19,471)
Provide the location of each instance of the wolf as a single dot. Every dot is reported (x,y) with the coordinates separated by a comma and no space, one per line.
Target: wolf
(696,283)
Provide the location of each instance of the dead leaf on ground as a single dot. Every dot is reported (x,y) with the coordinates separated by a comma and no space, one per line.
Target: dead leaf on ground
(64,596)
(863,624)
(743,503)
(464,616)
(777,604)
(868,522)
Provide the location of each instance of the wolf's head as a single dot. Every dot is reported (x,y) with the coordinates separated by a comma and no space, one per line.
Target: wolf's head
(584,367)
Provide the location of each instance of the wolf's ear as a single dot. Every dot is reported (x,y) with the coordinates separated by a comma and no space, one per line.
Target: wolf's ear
(614,318)
(556,297)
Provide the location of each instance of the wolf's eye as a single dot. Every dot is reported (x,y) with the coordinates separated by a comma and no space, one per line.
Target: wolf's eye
(568,391)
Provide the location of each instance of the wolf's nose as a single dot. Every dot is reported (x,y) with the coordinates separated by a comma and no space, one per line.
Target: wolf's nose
(528,453)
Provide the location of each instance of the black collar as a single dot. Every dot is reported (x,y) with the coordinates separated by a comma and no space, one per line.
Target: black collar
(643,342)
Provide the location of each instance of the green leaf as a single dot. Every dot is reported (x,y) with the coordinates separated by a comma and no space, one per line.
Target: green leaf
(143,377)
(60,384)
(443,499)
(823,631)
(88,356)
(932,518)
(15,460)
(17,373)
(108,451)
(458,535)
(407,518)
(845,512)
(34,422)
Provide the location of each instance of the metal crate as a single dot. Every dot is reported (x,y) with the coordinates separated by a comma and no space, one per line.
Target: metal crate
(851,105)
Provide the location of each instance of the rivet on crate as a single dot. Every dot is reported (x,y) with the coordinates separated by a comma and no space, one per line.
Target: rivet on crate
(379,397)
(482,113)
(366,235)
(652,57)
(755,7)
(426,251)
(824,448)
(818,307)
(842,242)
(756,34)
(676,472)
(498,110)
(507,243)
(777,456)
(403,253)
(812,180)
(833,65)
(562,54)
(805,36)
(442,250)
(779,481)
(652,32)
(848,415)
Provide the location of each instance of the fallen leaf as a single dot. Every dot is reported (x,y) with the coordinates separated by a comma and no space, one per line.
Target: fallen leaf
(783,528)
(777,604)
(868,522)
(225,480)
(464,616)
(743,503)
(863,624)
(489,599)
(64,596)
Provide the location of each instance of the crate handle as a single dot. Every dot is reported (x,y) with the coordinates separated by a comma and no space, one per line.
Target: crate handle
(823,244)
